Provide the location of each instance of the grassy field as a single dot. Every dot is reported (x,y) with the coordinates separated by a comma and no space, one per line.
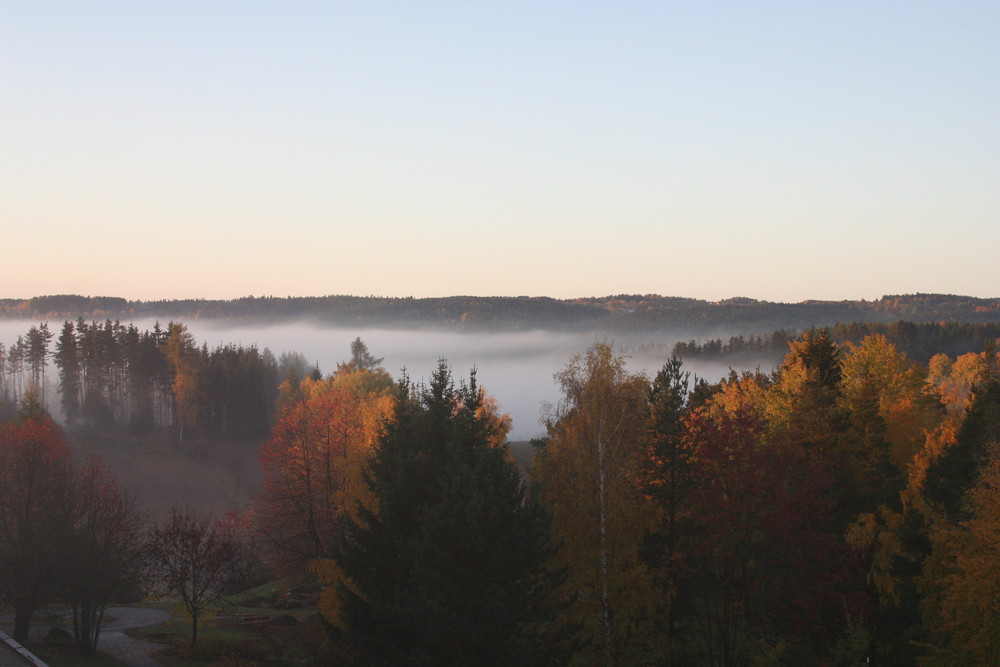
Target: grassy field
(272,624)
(203,475)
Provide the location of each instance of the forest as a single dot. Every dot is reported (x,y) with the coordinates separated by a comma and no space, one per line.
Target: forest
(620,314)
(841,509)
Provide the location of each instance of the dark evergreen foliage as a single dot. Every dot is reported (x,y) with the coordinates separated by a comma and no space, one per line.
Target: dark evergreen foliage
(669,480)
(115,377)
(453,568)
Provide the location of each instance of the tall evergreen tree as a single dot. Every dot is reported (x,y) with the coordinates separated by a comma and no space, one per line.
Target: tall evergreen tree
(669,479)
(37,355)
(453,566)
(68,362)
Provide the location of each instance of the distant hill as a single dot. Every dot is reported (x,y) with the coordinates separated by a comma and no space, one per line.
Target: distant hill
(621,314)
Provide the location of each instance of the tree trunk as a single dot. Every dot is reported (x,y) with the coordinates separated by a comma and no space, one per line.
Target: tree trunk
(602,487)
(22,620)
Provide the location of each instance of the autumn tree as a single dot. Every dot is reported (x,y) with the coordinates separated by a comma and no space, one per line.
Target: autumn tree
(588,474)
(962,579)
(36,487)
(314,464)
(450,567)
(957,469)
(763,567)
(804,400)
(956,379)
(187,369)
(106,541)
(192,557)
(892,412)
(890,408)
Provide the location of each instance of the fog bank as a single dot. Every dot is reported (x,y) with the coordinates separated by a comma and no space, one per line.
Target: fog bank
(517,368)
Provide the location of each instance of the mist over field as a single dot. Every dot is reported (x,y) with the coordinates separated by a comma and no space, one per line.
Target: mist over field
(515,367)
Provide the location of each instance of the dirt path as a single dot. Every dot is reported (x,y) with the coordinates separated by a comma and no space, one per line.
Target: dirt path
(115,643)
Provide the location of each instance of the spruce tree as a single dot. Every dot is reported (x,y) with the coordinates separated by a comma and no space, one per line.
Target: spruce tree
(453,567)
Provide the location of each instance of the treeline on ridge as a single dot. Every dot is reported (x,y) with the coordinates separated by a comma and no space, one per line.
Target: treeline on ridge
(619,314)
(919,341)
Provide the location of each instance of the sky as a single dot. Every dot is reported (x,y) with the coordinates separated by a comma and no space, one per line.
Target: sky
(776,150)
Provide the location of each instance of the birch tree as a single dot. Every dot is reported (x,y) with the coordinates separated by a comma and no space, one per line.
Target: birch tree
(588,473)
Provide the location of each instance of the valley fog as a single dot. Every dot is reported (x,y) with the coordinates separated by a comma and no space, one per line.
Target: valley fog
(515,367)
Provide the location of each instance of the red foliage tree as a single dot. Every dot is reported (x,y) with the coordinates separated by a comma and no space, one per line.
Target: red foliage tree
(297,511)
(314,465)
(36,513)
(760,557)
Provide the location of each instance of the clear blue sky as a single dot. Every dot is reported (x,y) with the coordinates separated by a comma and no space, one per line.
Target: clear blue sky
(777,150)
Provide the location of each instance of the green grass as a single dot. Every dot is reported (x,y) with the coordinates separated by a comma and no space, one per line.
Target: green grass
(269,590)
(68,656)
(222,642)
(215,643)
(218,644)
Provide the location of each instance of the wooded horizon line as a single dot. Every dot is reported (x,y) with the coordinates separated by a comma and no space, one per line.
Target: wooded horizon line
(620,313)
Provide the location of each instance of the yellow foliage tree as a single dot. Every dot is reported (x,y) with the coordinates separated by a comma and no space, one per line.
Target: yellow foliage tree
(955,380)
(588,475)
(909,409)
(962,580)
(188,368)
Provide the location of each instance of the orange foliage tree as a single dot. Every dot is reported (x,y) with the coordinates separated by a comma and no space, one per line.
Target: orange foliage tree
(314,465)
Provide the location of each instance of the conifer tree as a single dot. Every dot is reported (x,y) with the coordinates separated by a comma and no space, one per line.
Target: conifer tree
(68,362)
(452,567)
(669,479)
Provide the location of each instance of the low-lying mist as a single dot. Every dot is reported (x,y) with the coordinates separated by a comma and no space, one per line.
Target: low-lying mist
(517,368)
